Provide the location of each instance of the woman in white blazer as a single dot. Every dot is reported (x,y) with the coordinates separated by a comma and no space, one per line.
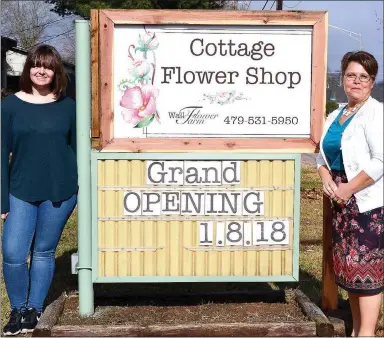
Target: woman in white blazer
(350,164)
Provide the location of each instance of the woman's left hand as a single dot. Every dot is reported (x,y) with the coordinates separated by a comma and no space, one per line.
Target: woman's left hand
(342,194)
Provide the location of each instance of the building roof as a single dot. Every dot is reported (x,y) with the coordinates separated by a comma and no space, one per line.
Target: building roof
(7,43)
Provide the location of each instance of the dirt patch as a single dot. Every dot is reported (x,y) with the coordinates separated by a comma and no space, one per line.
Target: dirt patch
(159,312)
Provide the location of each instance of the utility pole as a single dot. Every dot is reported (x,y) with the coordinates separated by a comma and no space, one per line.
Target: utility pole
(279,5)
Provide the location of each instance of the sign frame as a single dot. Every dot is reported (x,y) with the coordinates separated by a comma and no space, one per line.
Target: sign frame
(103,23)
(96,156)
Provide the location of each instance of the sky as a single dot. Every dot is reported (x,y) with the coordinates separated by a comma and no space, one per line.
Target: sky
(356,16)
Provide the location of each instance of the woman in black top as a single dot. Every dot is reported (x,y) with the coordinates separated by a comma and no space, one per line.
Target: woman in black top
(39,183)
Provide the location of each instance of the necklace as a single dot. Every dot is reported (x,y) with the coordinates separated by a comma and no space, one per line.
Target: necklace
(349,111)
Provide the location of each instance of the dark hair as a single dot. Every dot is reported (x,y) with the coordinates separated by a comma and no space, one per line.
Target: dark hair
(44,56)
(365,59)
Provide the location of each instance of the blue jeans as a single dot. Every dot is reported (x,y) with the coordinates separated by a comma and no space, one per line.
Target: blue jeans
(32,228)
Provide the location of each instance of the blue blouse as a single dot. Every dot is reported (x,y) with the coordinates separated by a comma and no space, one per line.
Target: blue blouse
(332,142)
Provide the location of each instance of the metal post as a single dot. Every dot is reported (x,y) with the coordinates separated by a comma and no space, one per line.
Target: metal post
(279,5)
(83,127)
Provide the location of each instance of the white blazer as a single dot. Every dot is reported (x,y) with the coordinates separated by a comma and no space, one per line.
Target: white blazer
(362,149)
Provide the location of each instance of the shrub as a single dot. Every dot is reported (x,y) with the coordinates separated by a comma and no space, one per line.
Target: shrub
(330,107)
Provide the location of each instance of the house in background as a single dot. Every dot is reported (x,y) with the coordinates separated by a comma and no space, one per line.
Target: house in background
(6,45)
(12,63)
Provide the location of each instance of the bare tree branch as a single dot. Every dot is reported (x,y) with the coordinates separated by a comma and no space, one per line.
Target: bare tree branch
(379,21)
(26,21)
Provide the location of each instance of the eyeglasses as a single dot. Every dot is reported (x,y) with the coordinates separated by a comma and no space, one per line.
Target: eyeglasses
(354,76)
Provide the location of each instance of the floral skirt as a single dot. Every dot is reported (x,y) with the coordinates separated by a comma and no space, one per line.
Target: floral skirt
(358,245)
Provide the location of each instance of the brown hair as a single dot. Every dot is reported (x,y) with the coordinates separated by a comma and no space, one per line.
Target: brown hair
(44,56)
(365,59)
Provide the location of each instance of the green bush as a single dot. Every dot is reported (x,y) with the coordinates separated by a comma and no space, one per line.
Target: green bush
(330,107)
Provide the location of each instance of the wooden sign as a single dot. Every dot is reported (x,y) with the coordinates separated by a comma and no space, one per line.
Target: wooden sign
(204,80)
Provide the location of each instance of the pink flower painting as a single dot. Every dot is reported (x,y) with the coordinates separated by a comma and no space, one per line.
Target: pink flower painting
(139,94)
(139,103)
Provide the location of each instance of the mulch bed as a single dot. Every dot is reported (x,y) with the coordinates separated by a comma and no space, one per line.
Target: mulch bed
(169,311)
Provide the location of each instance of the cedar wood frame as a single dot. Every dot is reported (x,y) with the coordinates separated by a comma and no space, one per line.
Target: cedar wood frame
(102,27)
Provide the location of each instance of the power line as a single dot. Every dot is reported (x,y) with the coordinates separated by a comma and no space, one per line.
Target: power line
(54,37)
(272,5)
(265,5)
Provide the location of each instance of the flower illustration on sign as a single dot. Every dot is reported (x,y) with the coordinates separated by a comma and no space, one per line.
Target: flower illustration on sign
(139,94)
(140,105)
(224,97)
(139,71)
(147,42)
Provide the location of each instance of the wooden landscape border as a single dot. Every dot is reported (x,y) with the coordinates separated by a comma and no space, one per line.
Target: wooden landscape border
(317,324)
(103,23)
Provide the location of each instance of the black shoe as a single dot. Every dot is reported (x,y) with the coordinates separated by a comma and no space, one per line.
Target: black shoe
(30,319)
(13,326)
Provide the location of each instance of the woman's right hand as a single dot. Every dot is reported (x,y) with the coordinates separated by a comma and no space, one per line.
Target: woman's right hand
(4,216)
(329,186)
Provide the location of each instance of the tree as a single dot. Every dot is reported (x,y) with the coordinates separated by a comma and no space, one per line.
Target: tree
(68,50)
(379,21)
(25,21)
(238,4)
(330,107)
(32,22)
(82,8)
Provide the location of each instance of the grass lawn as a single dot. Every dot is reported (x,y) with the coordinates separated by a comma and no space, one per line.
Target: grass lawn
(310,250)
